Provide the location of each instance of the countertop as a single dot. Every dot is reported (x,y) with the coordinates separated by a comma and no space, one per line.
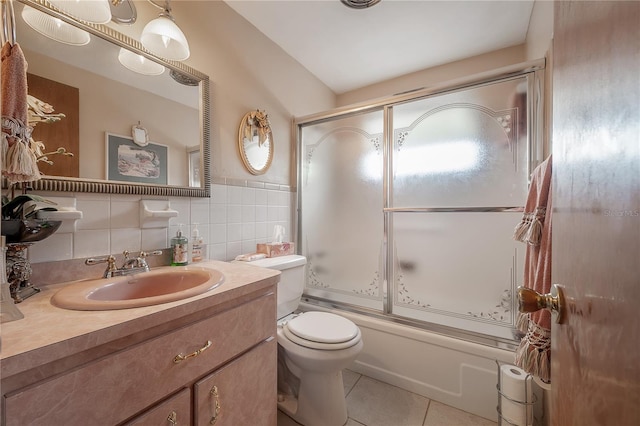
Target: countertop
(49,333)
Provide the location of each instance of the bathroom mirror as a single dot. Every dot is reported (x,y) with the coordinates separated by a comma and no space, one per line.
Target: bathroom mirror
(173,107)
(255,142)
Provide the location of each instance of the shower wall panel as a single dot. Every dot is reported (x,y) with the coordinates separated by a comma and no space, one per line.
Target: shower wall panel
(341,209)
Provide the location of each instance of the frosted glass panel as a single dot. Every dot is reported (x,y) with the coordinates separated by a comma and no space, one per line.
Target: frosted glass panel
(341,209)
(462,149)
(457,269)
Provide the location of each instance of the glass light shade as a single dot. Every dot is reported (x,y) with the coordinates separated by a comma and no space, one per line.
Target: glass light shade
(54,28)
(163,38)
(95,11)
(138,63)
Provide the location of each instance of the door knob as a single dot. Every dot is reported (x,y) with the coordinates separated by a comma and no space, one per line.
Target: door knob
(532,301)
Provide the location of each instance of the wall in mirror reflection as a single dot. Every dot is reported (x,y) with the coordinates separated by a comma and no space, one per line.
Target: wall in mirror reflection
(110,106)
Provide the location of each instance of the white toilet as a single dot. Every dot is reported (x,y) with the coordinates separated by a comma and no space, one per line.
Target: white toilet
(313,349)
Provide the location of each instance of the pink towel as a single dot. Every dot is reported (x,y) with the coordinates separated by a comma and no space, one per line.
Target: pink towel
(20,163)
(534,352)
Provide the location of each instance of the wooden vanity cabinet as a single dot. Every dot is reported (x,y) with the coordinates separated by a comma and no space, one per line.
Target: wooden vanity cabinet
(234,350)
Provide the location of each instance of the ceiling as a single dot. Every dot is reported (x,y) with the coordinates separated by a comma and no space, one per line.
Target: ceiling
(348,49)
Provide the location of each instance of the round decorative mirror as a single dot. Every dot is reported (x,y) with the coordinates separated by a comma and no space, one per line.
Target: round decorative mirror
(255,142)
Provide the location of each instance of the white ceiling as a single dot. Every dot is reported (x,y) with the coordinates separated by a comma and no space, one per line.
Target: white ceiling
(348,49)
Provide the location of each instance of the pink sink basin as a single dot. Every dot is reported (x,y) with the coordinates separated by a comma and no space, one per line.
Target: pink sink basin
(161,285)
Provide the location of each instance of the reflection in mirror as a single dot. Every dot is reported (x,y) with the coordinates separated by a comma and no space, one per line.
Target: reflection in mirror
(255,142)
(111,98)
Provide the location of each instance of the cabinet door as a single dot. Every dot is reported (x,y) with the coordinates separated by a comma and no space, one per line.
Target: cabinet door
(242,392)
(175,411)
(140,376)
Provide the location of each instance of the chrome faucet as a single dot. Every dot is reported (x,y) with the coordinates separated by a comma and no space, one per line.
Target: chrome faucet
(130,265)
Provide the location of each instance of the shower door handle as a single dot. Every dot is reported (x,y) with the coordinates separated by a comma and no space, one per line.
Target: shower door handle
(532,301)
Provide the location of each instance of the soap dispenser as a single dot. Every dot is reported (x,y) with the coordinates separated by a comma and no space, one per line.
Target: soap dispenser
(197,245)
(179,249)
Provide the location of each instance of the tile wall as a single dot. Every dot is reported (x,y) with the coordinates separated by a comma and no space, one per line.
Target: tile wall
(238,215)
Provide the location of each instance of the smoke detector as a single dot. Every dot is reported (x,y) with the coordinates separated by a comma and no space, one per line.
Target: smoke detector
(360,4)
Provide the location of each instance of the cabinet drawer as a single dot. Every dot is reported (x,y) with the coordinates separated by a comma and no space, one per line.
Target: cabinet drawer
(114,388)
(174,411)
(242,392)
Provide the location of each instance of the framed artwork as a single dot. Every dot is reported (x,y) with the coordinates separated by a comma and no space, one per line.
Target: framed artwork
(130,162)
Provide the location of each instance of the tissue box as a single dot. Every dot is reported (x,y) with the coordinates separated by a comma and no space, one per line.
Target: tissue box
(276,249)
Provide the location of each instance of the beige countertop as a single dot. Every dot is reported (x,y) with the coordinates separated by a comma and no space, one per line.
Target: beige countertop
(50,333)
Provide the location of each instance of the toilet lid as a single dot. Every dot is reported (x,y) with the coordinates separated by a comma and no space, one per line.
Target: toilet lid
(323,327)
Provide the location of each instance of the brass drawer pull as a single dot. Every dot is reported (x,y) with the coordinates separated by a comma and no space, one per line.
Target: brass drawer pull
(181,357)
(173,418)
(216,411)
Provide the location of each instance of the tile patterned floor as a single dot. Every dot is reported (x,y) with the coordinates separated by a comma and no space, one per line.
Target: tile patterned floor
(374,403)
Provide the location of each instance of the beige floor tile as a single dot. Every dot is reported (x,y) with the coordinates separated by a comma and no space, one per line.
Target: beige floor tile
(351,422)
(374,403)
(444,415)
(349,379)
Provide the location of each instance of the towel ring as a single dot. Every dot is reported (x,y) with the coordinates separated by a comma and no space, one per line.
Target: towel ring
(8,22)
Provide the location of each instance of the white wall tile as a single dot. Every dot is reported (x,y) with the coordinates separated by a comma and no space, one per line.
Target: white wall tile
(261,230)
(234,232)
(56,247)
(183,207)
(248,196)
(154,238)
(126,239)
(248,214)
(249,231)
(273,213)
(199,211)
(218,233)
(261,213)
(218,251)
(231,222)
(218,194)
(125,214)
(233,250)
(261,197)
(234,213)
(249,246)
(95,213)
(218,213)
(91,243)
(234,195)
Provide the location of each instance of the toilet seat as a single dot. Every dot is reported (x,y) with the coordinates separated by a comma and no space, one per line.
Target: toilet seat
(322,330)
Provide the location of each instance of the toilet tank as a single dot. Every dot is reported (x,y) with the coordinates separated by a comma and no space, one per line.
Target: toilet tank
(291,283)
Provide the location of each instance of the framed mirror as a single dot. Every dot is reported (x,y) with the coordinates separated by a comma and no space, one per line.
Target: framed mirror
(172,105)
(255,142)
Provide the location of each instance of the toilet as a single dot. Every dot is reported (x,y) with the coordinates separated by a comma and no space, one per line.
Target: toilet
(313,349)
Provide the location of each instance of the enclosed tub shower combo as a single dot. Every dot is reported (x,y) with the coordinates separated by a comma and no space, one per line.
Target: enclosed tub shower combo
(406,211)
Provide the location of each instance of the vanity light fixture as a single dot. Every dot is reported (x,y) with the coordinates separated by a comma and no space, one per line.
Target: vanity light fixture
(138,63)
(54,28)
(163,37)
(94,11)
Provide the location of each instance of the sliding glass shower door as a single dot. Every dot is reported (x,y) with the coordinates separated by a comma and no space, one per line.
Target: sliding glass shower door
(342,228)
(459,172)
(409,208)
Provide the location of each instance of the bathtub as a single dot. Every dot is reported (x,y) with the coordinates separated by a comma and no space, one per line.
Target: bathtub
(452,371)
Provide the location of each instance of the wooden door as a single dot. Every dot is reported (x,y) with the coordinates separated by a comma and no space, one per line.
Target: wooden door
(595,366)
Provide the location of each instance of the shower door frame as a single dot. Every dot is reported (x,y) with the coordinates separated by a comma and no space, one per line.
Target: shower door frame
(536,149)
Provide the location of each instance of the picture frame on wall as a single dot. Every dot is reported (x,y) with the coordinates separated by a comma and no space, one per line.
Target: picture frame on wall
(129,162)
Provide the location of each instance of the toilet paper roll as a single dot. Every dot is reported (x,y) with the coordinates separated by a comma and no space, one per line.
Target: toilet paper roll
(516,395)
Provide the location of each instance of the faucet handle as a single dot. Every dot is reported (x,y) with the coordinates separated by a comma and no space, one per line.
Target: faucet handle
(144,254)
(109,260)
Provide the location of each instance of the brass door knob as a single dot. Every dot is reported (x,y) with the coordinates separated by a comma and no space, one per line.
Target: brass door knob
(532,301)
